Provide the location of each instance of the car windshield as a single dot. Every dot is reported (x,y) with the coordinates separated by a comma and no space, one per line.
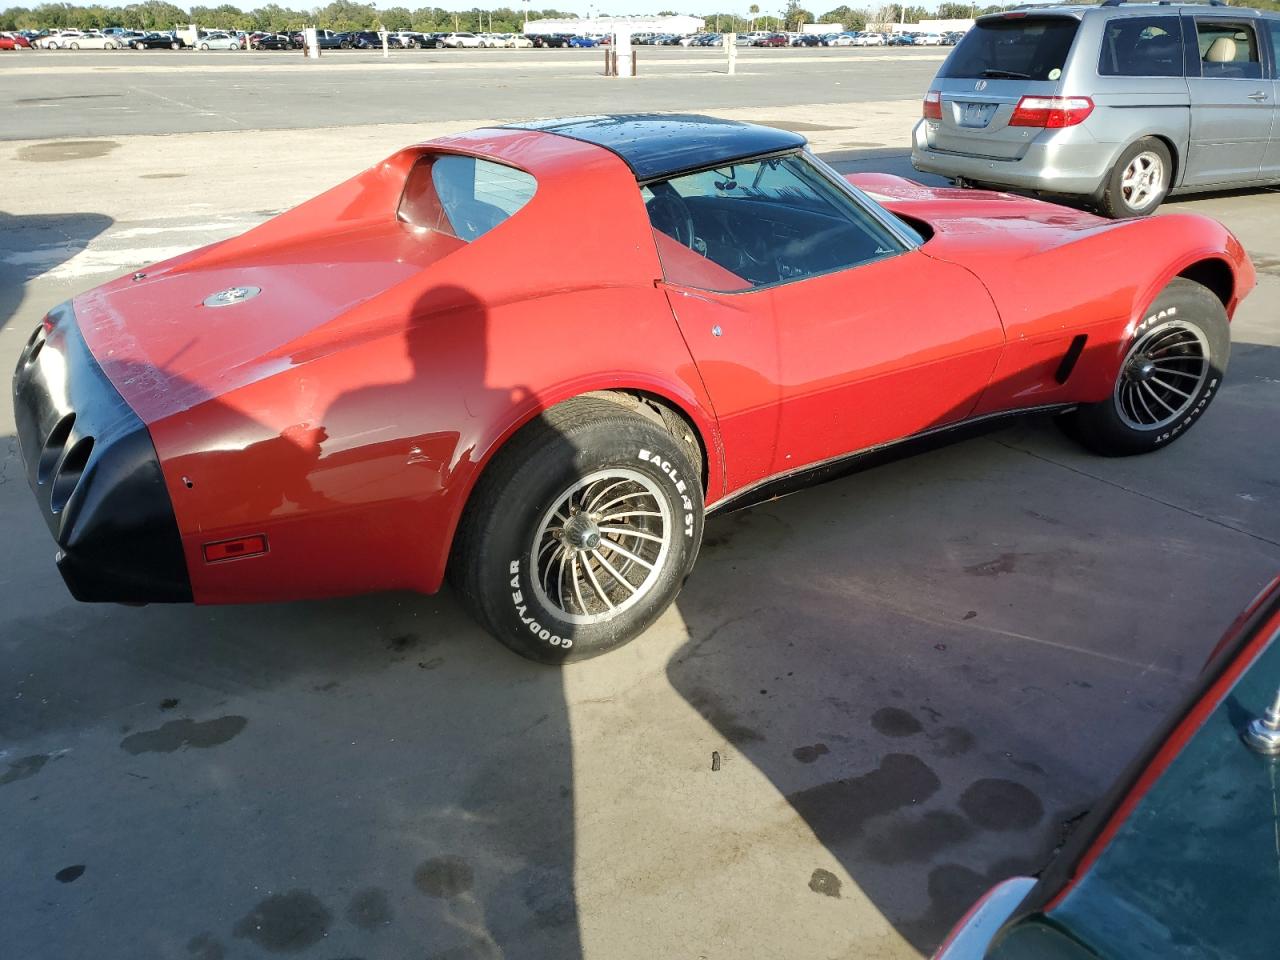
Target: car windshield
(761,222)
(462,197)
(1016,48)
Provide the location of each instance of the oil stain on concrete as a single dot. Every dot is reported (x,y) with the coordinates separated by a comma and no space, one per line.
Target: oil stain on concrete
(996,804)
(58,150)
(179,734)
(895,722)
(70,874)
(809,754)
(444,877)
(916,840)
(24,767)
(825,882)
(285,922)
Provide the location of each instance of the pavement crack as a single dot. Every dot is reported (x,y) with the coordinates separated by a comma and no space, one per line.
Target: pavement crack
(10,454)
(1138,493)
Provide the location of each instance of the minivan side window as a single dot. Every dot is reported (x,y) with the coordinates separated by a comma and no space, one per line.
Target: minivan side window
(1141,47)
(1228,50)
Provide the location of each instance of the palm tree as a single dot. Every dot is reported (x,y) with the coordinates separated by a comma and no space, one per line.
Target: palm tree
(754,10)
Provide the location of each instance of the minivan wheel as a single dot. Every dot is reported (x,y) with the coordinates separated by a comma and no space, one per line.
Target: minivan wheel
(1139,182)
(1171,371)
(580,533)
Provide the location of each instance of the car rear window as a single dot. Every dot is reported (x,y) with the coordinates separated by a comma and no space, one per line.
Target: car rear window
(1142,47)
(1018,48)
(463,197)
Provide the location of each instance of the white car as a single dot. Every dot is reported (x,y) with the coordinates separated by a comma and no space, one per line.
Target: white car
(840,40)
(408,38)
(79,40)
(216,40)
(929,39)
(461,40)
(868,40)
(516,40)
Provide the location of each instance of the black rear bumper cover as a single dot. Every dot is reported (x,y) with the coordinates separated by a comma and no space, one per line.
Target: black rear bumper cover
(95,473)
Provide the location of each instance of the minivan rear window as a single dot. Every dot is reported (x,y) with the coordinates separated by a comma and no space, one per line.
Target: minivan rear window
(1020,48)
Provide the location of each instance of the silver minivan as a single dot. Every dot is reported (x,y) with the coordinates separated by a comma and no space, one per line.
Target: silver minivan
(1120,104)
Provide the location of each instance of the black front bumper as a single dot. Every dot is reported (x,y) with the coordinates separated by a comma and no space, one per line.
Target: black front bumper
(95,473)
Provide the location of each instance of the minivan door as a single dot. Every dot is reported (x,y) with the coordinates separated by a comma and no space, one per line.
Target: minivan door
(1271,159)
(998,62)
(1231,103)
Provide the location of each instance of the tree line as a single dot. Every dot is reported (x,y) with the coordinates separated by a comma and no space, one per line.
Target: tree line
(340,15)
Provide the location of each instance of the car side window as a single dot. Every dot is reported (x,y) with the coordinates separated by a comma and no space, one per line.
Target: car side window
(464,197)
(746,225)
(1228,50)
(1141,47)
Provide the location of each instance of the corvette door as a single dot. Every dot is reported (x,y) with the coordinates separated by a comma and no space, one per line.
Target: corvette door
(818,330)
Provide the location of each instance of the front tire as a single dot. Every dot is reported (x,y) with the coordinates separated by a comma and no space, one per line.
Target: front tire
(581,532)
(1139,181)
(1171,371)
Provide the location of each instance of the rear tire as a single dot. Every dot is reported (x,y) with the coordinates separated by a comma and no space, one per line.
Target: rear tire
(175,46)
(1171,371)
(1139,181)
(541,556)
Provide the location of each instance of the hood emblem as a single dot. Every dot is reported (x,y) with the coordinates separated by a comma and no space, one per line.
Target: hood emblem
(231,296)
(980,85)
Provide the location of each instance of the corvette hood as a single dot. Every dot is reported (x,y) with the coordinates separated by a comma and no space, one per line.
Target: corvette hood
(166,345)
(972,226)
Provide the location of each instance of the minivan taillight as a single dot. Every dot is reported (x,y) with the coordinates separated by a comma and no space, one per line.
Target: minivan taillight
(1052,112)
(933,105)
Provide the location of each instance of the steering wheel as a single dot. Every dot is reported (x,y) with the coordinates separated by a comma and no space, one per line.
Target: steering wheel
(669,213)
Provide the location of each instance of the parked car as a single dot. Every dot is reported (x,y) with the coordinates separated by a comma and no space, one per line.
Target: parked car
(868,40)
(806,40)
(1118,106)
(155,41)
(331,40)
(929,40)
(216,40)
(78,40)
(274,41)
(839,40)
(458,40)
(515,40)
(1179,859)
(421,425)
(582,42)
(14,41)
(772,40)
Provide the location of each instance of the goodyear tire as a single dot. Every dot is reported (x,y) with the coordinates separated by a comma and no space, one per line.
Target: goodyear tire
(1171,370)
(581,531)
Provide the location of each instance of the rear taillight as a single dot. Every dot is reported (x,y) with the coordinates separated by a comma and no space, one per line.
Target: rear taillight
(933,105)
(1052,112)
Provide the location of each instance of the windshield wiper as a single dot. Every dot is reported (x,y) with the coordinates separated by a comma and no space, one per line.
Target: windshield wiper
(1006,74)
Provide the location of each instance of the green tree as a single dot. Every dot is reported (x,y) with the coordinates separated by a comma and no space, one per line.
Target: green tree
(954,11)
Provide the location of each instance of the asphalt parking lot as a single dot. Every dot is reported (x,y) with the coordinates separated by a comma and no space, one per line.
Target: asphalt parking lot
(914,679)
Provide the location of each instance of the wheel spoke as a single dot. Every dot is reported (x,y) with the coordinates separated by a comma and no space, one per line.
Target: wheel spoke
(1143,400)
(1163,338)
(595,500)
(1155,396)
(600,591)
(564,554)
(630,513)
(1169,371)
(614,573)
(632,532)
(617,548)
(577,584)
(638,493)
(1181,393)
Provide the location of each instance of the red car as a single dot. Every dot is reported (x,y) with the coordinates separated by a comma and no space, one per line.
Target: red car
(431,369)
(772,40)
(14,41)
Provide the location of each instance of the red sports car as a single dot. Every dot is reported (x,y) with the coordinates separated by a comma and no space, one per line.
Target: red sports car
(14,41)
(431,369)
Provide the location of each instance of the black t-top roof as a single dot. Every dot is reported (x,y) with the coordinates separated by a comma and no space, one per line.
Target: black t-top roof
(656,145)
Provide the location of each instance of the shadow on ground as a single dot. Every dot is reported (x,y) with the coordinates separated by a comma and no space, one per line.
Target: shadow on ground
(31,246)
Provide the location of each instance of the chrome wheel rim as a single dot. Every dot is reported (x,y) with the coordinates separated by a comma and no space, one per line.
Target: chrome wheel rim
(1143,180)
(602,546)
(1162,375)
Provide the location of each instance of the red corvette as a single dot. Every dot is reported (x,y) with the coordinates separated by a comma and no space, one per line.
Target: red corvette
(432,369)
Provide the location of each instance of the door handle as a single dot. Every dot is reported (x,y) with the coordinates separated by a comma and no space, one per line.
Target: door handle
(1258,97)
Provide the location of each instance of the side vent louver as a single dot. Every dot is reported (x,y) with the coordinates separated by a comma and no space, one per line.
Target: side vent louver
(51,453)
